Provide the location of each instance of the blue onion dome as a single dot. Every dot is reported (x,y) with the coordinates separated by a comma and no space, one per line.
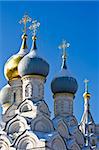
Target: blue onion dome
(32,64)
(64,82)
(11,66)
(5,95)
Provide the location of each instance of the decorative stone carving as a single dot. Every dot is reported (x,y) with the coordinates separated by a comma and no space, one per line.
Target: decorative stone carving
(71,121)
(10,113)
(75,147)
(41,90)
(43,107)
(25,106)
(63,104)
(29,90)
(4,142)
(79,137)
(42,124)
(27,109)
(61,127)
(37,91)
(72,145)
(63,130)
(17,124)
(28,140)
(56,142)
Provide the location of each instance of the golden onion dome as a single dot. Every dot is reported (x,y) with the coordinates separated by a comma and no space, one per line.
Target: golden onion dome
(11,66)
(86,96)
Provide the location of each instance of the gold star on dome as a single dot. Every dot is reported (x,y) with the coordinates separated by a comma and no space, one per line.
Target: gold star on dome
(64,46)
(25,19)
(35,25)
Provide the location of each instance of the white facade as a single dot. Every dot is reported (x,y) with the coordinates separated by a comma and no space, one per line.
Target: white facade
(26,122)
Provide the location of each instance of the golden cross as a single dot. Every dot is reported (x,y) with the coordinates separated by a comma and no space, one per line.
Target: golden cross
(24,20)
(34,27)
(64,46)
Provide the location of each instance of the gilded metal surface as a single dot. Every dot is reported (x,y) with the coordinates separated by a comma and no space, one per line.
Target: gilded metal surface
(24,45)
(11,67)
(25,19)
(86,96)
(35,25)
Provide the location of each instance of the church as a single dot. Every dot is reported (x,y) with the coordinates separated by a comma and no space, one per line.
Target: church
(26,122)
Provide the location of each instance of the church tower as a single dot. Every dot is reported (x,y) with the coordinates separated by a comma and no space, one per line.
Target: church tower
(87,125)
(12,92)
(26,119)
(64,87)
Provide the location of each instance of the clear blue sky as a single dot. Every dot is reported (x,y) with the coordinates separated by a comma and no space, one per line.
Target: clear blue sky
(77,22)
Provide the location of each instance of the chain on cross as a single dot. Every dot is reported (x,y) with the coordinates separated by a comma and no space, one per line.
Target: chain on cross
(86,85)
(64,46)
(35,25)
(25,19)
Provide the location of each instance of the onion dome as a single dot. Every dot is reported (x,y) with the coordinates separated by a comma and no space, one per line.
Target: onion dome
(64,82)
(87,117)
(32,64)
(5,95)
(11,66)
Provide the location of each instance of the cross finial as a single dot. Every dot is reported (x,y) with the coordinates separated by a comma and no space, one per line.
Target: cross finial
(24,20)
(86,85)
(64,46)
(34,27)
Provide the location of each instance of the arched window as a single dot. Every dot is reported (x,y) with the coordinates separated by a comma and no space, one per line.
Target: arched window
(28,90)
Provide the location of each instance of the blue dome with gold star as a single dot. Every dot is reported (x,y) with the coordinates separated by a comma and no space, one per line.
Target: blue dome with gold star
(64,82)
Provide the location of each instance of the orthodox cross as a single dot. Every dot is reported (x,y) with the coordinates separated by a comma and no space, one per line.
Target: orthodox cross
(86,85)
(64,46)
(35,25)
(24,20)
